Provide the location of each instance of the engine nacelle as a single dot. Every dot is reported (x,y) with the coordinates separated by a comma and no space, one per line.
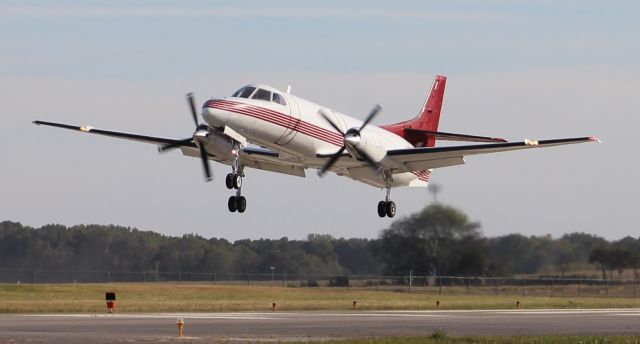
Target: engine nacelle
(219,146)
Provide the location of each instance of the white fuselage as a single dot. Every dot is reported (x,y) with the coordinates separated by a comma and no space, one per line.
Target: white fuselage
(303,137)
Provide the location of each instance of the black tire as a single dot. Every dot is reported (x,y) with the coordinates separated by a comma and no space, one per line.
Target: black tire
(229,181)
(237,181)
(242,204)
(233,205)
(391,209)
(382,208)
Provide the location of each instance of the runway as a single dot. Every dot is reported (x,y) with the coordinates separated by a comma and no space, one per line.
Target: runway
(301,326)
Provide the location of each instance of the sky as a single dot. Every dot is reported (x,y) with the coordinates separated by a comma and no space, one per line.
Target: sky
(528,69)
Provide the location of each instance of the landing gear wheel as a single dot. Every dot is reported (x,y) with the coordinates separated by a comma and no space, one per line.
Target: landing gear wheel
(237,181)
(391,209)
(233,205)
(382,208)
(229,181)
(241,204)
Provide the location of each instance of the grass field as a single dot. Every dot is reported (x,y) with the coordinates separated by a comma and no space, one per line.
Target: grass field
(186,297)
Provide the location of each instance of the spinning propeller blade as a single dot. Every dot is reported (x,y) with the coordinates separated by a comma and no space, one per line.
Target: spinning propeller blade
(198,139)
(352,133)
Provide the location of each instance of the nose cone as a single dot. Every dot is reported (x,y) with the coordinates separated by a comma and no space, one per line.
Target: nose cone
(213,113)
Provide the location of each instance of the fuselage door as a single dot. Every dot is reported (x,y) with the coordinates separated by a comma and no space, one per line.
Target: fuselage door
(293,120)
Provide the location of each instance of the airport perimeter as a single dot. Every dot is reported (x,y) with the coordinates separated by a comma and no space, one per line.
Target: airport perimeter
(457,285)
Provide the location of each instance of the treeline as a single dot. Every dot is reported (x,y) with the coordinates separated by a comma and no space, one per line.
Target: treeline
(439,240)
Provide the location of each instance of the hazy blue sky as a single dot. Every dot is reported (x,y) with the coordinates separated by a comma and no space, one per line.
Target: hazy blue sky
(533,69)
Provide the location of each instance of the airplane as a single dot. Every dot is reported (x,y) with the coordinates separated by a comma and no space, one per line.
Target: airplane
(264,128)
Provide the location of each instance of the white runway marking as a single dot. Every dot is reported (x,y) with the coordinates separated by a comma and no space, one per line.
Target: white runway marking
(363,314)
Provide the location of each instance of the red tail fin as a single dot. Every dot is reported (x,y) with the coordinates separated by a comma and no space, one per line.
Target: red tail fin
(430,113)
(428,118)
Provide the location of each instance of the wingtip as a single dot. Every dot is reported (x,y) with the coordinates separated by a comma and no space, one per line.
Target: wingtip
(594,139)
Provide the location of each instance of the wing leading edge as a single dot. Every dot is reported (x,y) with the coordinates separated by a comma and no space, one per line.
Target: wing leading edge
(413,159)
(121,135)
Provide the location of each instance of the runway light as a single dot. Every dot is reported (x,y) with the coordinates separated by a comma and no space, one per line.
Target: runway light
(354,304)
(518,304)
(180,326)
(273,307)
(438,304)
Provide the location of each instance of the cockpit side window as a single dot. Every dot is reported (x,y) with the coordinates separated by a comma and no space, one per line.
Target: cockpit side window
(278,99)
(262,95)
(245,92)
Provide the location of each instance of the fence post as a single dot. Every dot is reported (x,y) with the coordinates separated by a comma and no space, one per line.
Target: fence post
(635,287)
(284,278)
(410,280)
(248,279)
(108,277)
(606,287)
(214,278)
(468,282)
(552,279)
(579,287)
(34,276)
(496,285)
(439,285)
(73,277)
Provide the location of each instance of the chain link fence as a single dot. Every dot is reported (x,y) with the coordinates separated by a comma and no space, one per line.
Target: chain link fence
(525,286)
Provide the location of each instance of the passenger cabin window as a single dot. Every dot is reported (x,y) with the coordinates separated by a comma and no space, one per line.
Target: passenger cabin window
(278,99)
(262,95)
(244,92)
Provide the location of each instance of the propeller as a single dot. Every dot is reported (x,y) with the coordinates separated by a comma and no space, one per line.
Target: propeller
(352,139)
(199,137)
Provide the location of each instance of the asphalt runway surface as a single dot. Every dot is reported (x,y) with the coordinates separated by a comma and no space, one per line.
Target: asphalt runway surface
(305,326)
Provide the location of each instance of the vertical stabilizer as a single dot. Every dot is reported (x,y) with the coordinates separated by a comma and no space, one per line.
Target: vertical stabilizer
(430,114)
(427,120)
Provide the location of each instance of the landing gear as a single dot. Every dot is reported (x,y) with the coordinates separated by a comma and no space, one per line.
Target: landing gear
(237,203)
(382,208)
(391,209)
(387,207)
(234,181)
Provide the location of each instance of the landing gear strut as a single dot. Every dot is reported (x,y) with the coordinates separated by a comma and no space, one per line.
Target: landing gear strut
(234,181)
(387,207)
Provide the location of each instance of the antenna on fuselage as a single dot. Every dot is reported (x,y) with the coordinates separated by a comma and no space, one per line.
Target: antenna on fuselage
(288,89)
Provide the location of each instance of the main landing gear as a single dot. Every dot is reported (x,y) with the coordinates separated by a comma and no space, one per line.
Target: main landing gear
(387,207)
(234,181)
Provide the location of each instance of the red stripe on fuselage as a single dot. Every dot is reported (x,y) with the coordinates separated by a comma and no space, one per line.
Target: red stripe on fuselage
(278,118)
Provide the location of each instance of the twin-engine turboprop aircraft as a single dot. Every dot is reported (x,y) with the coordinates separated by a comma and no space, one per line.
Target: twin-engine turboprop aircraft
(290,134)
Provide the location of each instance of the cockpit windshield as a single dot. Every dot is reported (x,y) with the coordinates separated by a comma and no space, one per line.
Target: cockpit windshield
(244,92)
(261,94)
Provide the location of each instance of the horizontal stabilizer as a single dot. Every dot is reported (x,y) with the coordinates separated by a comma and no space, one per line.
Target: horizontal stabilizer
(422,135)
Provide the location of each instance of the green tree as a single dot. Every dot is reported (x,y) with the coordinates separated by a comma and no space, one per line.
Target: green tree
(428,242)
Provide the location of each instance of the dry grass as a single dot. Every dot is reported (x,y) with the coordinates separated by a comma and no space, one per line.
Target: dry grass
(551,339)
(186,297)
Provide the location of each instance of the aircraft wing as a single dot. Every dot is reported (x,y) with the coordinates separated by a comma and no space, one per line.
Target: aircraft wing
(121,135)
(268,160)
(414,159)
